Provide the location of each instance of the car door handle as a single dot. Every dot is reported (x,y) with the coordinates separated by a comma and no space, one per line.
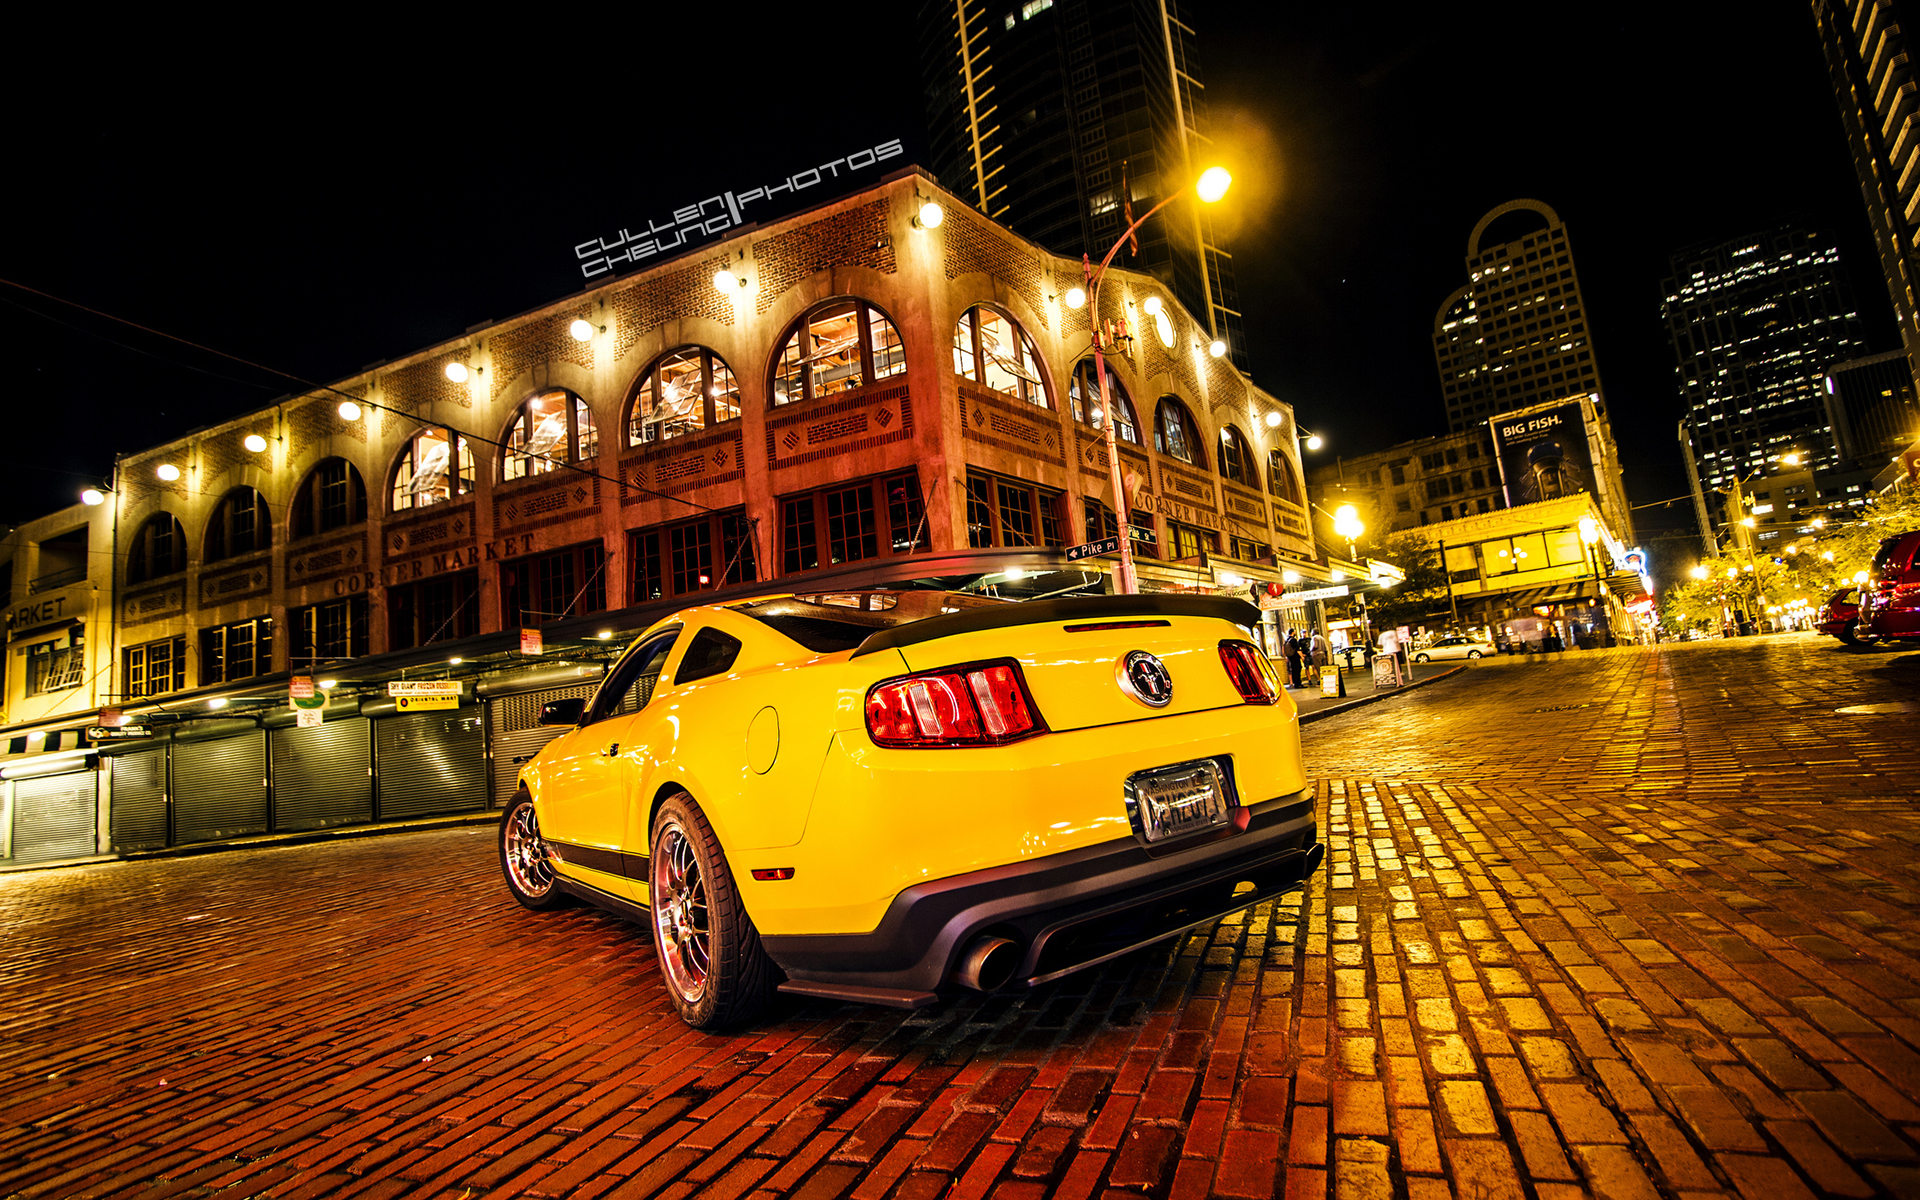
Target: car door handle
(612,750)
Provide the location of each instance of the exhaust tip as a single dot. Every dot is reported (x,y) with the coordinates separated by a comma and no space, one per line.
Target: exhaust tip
(987,964)
(1315,853)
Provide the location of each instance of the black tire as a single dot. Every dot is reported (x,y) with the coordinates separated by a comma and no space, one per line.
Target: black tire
(716,971)
(1850,635)
(1473,654)
(524,860)
(1420,658)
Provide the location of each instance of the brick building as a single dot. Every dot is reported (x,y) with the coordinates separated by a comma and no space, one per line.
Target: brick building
(872,400)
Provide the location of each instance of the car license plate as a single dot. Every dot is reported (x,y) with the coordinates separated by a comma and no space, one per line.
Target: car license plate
(1183,799)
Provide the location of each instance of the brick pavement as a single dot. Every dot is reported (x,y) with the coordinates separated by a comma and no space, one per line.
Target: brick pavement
(1642,925)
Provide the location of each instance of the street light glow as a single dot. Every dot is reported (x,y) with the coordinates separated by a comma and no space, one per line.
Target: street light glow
(726,281)
(931,214)
(168,472)
(1273,419)
(1347,523)
(581,330)
(255,443)
(1076,298)
(349,411)
(1589,530)
(1700,571)
(457,372)
(1214,182)
(1217,347)
(92,496)
(1315,441)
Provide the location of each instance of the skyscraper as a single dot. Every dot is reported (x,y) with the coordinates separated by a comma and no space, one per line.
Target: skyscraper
(1516,333)
(1058,117)
(1755,322)
(1873,83)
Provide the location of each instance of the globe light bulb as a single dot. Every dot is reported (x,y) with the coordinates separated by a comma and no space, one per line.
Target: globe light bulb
(1076,298)
(457,372)
(92,496)
(930,215)
(349,411)
(1213,184)
(581,330)
(255,443)
(1274,420)
(1315,441)
(726,281)
(1151,306)
(168,472)
(1217,348)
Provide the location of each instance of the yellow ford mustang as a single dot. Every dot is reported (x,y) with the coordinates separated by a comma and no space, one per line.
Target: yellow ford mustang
(912,797)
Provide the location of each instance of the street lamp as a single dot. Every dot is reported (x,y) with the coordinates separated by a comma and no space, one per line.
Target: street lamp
(1211,185)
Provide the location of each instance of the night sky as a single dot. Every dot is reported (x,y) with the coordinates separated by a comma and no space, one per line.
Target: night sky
(347,199)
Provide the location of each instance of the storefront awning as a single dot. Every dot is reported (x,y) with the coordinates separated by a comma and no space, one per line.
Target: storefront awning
(1566,593)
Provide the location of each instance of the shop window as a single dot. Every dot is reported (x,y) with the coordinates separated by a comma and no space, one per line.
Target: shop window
(1175,434)
(156,668)
(444,608)
(1189,541)
(238,651)
(323,632)
(1100,524)
(240,525)
(992,350)
(853,522)
(679,560)
(159,549)
(436,466)
(332,496)
(548,430)
(1084,392)
(682,392)
(52,668)
(1236,458)
(549,587)
(1564,548)
(1012,513)
(836,347)
(1283,480)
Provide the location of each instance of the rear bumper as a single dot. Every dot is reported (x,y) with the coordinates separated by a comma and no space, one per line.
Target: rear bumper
(1067,911)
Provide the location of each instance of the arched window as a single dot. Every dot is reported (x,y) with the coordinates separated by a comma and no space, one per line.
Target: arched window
(1085,394)
(332,496)
(1282,480)
(159,548)
(1236,458)
(240,525)
(437,465)
(550,429)
(991,349)
(1175,434)
(685,391)
(836,347)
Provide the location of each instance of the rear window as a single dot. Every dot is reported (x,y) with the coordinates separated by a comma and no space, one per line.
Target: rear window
(710,653)
(831,622)
(821,628)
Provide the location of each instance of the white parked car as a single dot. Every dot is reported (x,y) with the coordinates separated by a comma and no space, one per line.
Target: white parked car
(1453,647)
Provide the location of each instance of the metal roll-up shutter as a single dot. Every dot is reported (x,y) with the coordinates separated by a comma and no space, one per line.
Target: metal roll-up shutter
(430,762)
(56,816)
(219,788)
(139,808)
(517,734)
(321,775)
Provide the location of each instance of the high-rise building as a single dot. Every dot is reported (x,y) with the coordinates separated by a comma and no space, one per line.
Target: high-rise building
(1873,409)
(1515,334)
(1873,83)
(1060,118)
(1755,322)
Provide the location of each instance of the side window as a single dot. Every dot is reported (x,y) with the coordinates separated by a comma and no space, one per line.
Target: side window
(631,685)
(709,653)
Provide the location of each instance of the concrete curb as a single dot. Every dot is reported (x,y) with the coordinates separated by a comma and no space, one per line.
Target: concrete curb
(1321,714)
(302,837)
(1537,659)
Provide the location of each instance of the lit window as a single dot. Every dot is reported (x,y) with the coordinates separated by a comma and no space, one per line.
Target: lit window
(427,472)
(990,348)
(1084,392)
(1175,434)
(683,392)
(550,429)
(1236,458)
(837,347)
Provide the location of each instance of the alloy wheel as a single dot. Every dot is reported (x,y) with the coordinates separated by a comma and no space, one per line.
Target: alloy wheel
(526,854)
(680,916)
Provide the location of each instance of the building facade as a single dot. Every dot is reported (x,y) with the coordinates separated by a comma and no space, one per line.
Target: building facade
(1412,484)
(1872,409)
(1865,42)
(1754,323)
(1065,119)
(1515,334)
(872,399)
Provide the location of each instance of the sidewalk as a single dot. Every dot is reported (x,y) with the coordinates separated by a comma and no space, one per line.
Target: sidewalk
(1360,690)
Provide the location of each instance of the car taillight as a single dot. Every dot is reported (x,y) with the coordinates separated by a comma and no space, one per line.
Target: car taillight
(984,704)
(1252,675)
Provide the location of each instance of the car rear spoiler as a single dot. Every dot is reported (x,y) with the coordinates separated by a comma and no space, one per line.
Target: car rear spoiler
(1067,608)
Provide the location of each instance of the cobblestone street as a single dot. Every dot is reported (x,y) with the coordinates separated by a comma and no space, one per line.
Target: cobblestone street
(1644,923)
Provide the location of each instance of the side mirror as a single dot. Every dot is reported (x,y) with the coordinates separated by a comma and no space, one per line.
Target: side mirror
(563,712)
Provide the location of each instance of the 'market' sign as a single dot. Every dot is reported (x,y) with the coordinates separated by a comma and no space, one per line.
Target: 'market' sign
(714,215)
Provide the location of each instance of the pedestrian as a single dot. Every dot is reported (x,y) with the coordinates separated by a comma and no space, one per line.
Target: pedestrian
(1319,651)
(1293,659)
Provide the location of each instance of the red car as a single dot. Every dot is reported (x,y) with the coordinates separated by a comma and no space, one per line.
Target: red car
(1840,616)
(1890,602)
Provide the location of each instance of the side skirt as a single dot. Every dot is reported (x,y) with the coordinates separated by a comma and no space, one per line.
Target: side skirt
(616,905)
